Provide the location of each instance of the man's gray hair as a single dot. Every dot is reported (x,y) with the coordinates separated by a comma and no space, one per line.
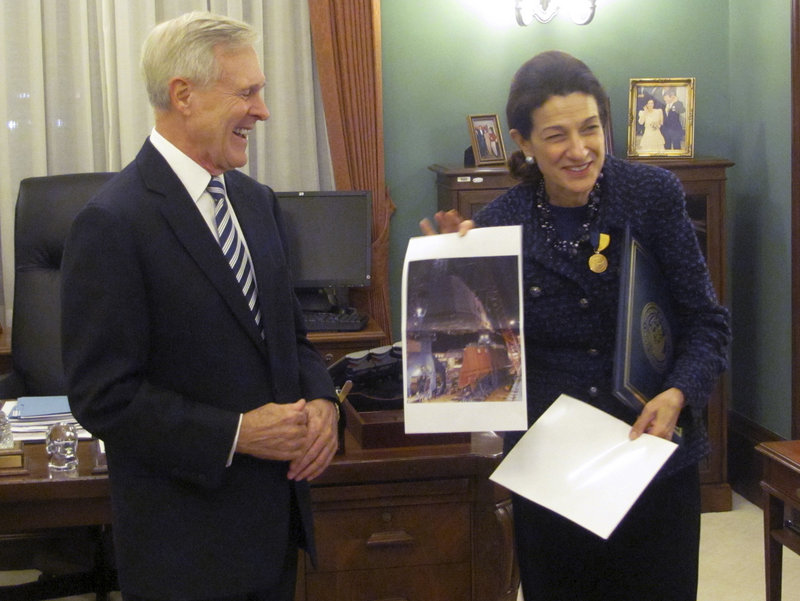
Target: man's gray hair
(185,47)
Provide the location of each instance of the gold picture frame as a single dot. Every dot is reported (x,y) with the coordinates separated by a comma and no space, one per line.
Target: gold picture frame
(487,139)
(661,117)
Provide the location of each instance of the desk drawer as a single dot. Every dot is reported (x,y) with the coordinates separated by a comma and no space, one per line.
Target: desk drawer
(423,583)
(784,479)
(400,535)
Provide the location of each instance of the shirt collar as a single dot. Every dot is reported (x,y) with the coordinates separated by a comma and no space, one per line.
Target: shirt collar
(193,177)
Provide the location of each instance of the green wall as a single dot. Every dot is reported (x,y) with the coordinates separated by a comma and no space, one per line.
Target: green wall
(759,211)
(445,59)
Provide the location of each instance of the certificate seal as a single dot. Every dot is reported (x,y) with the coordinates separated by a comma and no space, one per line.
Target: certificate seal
(656,337)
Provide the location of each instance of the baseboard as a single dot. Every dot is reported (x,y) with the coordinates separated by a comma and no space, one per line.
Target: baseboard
(744,462)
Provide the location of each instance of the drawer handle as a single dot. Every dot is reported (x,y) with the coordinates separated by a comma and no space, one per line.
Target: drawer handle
(393,599)
(391,538)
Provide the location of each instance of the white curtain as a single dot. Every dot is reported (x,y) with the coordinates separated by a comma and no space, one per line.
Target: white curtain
(73,99)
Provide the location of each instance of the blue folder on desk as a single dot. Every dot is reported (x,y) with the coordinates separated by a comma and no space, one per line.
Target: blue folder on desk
(41,407)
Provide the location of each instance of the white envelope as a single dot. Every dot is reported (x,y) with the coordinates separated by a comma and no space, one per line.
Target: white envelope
(579,462)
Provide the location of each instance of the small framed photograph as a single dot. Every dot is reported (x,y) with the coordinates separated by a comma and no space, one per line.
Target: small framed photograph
(487,140)
(661,118)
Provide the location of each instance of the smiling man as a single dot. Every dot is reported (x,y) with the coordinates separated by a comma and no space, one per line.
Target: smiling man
(184,346)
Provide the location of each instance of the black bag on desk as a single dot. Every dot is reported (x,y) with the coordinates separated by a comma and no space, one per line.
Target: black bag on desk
(376,375)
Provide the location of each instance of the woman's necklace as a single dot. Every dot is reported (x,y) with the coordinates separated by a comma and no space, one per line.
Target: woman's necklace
(549,228)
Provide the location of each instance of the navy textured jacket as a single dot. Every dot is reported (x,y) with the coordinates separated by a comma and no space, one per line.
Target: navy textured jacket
(570,312)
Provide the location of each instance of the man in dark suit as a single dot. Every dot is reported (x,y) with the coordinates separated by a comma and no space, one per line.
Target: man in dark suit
(672,129)
(214,407)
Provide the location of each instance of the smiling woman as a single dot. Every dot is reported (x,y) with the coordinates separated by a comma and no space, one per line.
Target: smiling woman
(575,201)
(568,145)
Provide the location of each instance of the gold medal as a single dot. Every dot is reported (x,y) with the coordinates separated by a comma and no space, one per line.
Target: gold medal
(597,262)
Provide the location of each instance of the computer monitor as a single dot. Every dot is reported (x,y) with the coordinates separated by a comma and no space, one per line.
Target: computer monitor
(329,235)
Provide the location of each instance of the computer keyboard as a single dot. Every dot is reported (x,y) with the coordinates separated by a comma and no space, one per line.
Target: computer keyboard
(347,320)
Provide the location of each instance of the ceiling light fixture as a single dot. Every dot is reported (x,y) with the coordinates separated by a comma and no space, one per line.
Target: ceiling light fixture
(581,11)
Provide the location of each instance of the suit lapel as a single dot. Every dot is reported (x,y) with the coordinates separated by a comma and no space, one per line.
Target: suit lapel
(261,231)
(187,223)
(263,241)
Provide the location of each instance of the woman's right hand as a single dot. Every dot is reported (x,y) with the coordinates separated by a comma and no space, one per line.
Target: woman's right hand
(448,223)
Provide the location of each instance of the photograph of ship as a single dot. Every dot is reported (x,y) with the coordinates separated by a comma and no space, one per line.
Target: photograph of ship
(462,334)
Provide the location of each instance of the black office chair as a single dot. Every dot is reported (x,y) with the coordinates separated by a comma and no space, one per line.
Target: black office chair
(46,208)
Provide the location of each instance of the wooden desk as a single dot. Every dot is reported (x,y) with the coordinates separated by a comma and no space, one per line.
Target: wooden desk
(335,345)
(422,522)
(34,511)
(35,502)
(418,522)
(781,485)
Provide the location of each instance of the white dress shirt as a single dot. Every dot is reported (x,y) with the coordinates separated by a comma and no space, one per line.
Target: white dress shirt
(195,179)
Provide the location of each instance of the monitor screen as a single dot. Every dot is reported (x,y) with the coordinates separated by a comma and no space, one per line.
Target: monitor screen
(329,235)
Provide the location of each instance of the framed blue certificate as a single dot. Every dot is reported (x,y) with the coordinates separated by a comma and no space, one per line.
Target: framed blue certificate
(646,327)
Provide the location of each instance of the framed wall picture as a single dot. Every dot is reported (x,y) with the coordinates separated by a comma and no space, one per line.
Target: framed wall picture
(487,140)
(661,117)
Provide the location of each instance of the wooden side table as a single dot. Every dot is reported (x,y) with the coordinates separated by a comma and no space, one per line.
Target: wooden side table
(781,485)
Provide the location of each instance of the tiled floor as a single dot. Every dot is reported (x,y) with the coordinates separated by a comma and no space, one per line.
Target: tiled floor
(731,559)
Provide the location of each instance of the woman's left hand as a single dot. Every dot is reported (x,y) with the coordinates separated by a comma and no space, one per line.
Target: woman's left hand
(660,416)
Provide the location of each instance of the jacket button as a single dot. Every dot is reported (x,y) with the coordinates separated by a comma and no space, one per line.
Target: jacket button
(593,391)
(584,303)
(593,352)
(535,291)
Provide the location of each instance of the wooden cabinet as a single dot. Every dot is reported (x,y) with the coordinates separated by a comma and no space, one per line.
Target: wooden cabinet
(419,522)
(704,183)
(468,189)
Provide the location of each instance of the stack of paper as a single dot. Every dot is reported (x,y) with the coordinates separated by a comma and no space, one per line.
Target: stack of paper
(31,416)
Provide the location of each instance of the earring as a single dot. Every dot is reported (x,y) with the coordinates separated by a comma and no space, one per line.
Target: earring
(530,160)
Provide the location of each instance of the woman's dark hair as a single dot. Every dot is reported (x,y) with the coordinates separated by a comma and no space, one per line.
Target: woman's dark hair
(551,73)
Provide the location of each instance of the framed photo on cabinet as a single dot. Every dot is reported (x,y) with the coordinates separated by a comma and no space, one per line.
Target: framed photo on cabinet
(487,140)
(661,117)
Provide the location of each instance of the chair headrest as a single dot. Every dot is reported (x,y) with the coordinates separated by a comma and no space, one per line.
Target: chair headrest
(46,208)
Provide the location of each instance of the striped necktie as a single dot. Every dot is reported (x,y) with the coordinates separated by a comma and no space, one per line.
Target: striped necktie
(233,248)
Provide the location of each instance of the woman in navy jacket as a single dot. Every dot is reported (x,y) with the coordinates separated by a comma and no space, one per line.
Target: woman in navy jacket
(571,192)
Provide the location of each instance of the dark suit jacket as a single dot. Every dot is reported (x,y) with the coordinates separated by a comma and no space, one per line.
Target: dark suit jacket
(672,119)
(571,312)
(161,356)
